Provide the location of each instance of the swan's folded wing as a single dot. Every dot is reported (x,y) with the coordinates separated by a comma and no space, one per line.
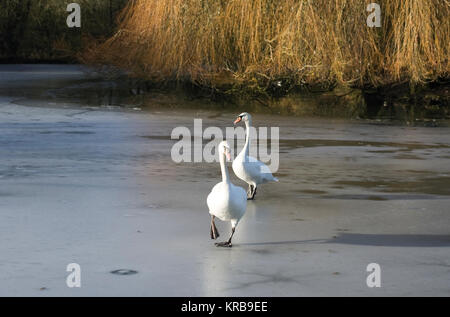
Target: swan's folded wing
(258,170)
(212,196)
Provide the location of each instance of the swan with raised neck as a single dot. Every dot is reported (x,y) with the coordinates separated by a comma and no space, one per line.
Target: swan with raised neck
(247,168)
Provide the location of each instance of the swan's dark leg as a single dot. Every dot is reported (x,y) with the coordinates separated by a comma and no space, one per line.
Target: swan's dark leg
(231,237)
(227,243)
(249,191)
(214,231)
(254,192)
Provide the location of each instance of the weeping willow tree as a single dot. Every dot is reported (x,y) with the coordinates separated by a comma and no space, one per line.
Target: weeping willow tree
(256,42)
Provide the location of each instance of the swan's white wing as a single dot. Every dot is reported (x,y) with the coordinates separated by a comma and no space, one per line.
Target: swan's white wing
(218,201)
(238,204)
(227,203)
(213,196)
(258,171)
(239,197)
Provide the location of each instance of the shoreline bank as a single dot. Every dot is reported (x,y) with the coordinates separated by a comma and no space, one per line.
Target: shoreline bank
(110,88)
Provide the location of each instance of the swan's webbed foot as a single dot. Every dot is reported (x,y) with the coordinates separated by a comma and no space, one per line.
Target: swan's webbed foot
(225,244)
(214,232)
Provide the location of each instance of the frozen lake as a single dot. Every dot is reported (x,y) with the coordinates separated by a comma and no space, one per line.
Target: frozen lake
(96,185)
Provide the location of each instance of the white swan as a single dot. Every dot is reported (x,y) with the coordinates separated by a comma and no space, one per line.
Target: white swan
(226,201)
(247,168)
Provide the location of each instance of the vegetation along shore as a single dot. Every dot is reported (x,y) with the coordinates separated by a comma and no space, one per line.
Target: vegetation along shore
(291,56)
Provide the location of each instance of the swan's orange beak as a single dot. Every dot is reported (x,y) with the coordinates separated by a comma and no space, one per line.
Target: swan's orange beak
(238,119)
(228,155)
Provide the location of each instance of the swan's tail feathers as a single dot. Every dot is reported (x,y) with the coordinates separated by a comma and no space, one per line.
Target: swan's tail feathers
(269,178)
(267,174)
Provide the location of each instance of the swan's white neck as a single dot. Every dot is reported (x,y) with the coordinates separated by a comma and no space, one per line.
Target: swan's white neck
(247,137)
(223,168)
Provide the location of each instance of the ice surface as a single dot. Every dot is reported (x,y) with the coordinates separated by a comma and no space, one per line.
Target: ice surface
(99,188)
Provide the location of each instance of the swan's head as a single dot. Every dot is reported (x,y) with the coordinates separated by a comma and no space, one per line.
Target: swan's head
(245,116)
(224,149)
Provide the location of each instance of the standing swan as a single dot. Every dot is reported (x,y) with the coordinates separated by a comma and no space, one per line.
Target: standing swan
(247,168)
(226,201)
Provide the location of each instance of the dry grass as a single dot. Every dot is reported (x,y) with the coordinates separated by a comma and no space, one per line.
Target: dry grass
(253,43)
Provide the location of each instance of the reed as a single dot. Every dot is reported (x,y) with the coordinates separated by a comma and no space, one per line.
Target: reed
(254,43)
